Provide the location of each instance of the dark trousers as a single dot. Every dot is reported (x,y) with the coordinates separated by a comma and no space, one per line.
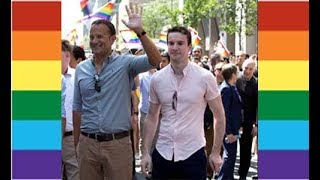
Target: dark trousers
(229,161)
(245,150)
(192,168)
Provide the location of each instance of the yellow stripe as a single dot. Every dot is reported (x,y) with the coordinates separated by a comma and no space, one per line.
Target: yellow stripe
(283,75)
(36,75)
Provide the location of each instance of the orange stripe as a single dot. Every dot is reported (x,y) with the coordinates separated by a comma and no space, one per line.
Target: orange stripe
(36,45)
(283,45)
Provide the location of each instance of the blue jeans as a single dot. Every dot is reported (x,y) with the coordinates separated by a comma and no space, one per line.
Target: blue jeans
(192,168)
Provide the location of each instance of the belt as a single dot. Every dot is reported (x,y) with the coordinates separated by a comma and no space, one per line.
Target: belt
(69,133)
(107,137)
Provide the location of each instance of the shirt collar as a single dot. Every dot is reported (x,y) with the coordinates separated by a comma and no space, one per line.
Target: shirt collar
(70,71)
(184,71)
(108,59)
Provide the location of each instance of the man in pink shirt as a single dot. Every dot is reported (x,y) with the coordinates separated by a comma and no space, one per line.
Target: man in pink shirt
(181,91)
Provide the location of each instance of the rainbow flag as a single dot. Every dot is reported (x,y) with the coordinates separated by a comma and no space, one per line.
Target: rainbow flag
(196,41)
(222,49)
(129,36)
(195,38)
(163,38)
(105,11)
(84,7)
(72,36)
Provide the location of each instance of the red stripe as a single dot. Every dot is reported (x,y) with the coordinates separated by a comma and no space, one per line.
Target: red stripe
(283,16)
(36,16)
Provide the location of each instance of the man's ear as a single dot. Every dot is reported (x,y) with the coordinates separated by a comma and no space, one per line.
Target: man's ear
(68,54)
(190,48)
(113,38)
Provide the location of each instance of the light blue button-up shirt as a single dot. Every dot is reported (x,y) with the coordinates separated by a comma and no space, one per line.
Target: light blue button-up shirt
(108,111)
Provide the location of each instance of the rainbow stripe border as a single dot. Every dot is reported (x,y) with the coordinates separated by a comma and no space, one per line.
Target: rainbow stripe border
(283,51)
(36,89)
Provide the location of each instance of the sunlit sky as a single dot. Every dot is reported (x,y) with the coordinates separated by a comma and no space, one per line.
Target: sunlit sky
(71,12)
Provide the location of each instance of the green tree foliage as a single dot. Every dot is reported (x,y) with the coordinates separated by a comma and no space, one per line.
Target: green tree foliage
(195,10)
(155,16)
(226,12)
(158,13)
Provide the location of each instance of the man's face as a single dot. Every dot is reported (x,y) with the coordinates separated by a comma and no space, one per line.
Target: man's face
(73,62)
(100,39)
(65,56)
(241,57)
(248,71)
(195,60)
(178,47)
(164,62)
(197,53)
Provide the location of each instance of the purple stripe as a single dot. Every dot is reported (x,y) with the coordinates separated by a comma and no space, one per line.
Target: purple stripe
(284,164)
(36,164)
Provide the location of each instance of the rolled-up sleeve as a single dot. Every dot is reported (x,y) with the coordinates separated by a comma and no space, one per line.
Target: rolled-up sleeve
(212,90)
(153,96)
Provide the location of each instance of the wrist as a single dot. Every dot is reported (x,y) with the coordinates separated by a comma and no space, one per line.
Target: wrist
(141,33)
(135,113)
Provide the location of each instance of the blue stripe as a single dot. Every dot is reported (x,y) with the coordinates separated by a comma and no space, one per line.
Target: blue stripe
(36,135)
(283,135)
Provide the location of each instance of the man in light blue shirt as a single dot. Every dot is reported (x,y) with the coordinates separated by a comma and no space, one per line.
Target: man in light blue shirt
(102,107)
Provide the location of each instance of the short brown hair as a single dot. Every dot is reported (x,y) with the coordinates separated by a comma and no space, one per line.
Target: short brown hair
(182,30)
(166,55)
(228,70)
(66,46)
(107,23)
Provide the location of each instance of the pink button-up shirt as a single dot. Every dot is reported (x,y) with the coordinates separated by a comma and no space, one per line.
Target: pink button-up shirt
(181,131)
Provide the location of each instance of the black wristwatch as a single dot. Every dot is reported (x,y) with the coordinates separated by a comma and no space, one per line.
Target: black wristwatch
(142,34)
(136,113)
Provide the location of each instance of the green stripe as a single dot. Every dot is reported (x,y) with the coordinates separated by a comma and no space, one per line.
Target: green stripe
(283,105)
(36,105)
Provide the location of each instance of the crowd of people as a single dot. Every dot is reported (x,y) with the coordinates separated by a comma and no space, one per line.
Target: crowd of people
(178,111)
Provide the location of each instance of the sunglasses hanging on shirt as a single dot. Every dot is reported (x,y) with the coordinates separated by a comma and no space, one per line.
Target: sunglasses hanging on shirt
(97,85)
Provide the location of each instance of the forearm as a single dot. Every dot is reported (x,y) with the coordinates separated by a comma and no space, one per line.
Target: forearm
(219,131)
(135,102)
(151,50)
(76,126)
(149,130)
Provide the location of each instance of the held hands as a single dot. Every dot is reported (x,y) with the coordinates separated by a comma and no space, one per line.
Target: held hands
(215,162)
(146,165)
(134,13)
(254,131)
(230,138)
(134,121)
